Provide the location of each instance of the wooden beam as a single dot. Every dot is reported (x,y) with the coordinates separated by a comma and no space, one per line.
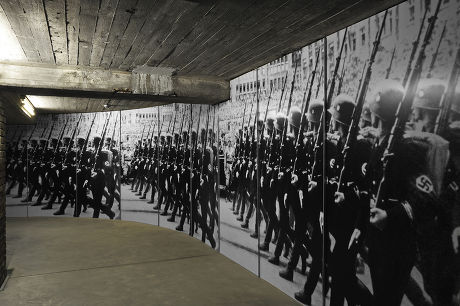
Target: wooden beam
(152,84)
(55,11)
(73,28)
(103,26)
(87,23)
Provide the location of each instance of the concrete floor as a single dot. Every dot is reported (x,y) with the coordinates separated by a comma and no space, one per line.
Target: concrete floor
(64,261)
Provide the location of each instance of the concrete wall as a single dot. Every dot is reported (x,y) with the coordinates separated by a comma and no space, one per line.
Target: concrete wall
(2,197)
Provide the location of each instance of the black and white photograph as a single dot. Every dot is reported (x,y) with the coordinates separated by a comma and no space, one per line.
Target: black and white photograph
(140,129)
(183,152)
(65,165)
(391,205)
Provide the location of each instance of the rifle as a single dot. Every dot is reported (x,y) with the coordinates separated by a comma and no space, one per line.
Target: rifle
(113,134)
(240,137)
(204,142)
(361,79)
(387,76)
(151,127)
(101,143)
(266,111)
(342,75)
(282,91)
(435,55)
(85,145)
(336,70)
(354,124)
(69,146)
(188,133)
(446,102)
(59,140)
(404,109)
(318,140)
(319,81)
(305,104)
(172,133)
(283,135)
(36,147)
(140,146)
(414,49)
(279,109)
(47,140)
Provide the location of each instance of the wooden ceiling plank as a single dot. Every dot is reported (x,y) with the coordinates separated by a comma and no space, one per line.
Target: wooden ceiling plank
(218,43)
(262,29)
(20,26)
(135,26)
(199,34)
(87,25)
(256,45)
(254,21)
(73,28)
(104,23)
(162,29)
(181,29)
(290,39)
(147,31)
(36,18)
(123,14)
(55,11)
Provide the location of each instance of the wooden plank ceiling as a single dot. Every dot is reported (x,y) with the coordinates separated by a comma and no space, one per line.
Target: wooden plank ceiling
(222,38)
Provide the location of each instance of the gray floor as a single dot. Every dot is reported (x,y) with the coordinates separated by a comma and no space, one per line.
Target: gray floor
(65,261)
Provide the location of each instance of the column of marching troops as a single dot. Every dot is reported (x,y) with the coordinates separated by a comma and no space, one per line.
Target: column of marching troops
(388,193)
(66,170)
(180,167)
(374,176)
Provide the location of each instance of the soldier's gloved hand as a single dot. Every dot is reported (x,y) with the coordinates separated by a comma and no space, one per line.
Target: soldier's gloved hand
(280,175)
(455,239)
(339,197)
(294,180)
(354,237)
(201,181)
(312,185)
(237,174)
(378,218)
(269,169)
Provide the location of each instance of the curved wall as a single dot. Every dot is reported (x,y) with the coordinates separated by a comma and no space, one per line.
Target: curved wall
(264,217)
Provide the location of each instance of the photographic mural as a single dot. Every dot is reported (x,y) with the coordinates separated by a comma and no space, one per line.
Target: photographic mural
(333,172)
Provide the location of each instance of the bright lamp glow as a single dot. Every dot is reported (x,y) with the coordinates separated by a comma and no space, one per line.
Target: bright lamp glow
(27,107)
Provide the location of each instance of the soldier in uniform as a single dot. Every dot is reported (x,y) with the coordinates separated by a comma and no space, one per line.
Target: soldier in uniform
(293,201)
(348,211)
(392,236)
(267,191)
(68,176)
(312,203)
(282,163)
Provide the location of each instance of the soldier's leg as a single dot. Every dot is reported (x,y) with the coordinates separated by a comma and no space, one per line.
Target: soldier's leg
(20,188)
(152,195)
(250,202)
(11,185)
(315,271)
(61,210)
(96,203)
(49,204)
(147,189)
(244,200)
